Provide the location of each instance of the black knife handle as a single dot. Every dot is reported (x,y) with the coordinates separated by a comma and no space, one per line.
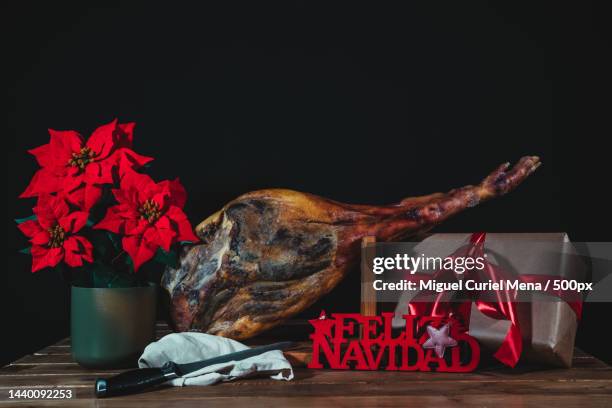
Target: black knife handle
(135,380)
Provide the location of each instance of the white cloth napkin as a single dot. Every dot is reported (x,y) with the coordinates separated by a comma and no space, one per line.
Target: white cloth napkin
(190,346)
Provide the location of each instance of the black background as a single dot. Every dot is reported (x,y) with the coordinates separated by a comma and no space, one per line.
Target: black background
(360,104)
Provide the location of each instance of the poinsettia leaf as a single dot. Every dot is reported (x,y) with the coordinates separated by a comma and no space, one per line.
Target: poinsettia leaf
(114,240)
(185,242)
(121,281)
(100,276)
(167,258)
(127,259)
(106,277)
(26,251)
(100,243)
(89,223)
(22,220)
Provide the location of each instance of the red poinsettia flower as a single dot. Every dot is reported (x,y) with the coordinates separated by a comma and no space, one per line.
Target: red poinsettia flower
(149,215)
(52,234)
(79,168)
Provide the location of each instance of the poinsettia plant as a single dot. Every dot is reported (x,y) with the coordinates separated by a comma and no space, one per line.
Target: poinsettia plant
(97,217)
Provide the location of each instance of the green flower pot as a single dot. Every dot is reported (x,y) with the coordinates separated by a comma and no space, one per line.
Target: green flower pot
(110,327)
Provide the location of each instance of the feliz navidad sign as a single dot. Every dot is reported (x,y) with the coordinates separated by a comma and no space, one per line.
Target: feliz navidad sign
(426,344)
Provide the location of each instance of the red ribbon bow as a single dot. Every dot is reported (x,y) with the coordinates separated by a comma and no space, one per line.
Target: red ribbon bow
(503,307)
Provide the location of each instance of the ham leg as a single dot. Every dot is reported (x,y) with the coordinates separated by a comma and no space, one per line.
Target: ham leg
(270,254)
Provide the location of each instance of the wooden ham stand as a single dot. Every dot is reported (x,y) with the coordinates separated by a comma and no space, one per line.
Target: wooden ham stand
(368,294)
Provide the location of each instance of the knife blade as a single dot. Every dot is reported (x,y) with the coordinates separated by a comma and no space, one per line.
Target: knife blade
(140,379)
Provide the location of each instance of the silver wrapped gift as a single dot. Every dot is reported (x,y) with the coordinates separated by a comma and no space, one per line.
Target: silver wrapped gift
(548,325)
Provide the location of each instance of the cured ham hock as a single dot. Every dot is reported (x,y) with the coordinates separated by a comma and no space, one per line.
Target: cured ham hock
(270,254)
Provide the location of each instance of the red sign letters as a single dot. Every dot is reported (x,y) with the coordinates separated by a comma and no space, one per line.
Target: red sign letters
(426,344)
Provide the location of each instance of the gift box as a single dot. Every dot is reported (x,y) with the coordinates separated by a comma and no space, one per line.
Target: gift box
(547,323)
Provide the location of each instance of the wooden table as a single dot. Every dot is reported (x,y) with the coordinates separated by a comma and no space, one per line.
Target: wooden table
(588,383)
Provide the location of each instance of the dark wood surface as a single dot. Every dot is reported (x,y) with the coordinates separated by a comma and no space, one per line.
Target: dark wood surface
(588,383)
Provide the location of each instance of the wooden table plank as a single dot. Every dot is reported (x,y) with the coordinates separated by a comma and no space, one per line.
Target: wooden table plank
(435,400)
(587,383)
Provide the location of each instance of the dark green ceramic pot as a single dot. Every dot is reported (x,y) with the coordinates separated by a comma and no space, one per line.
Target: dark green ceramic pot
(110,327)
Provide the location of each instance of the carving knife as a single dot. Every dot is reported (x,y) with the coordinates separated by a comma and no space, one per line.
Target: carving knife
(140,379)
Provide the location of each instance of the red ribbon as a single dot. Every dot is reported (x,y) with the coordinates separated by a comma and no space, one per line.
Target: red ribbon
(503,307)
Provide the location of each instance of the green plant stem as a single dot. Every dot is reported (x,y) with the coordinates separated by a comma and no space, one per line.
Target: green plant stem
(117,257)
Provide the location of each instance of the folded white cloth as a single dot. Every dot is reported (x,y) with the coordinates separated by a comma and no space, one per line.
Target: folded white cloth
(190,346)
